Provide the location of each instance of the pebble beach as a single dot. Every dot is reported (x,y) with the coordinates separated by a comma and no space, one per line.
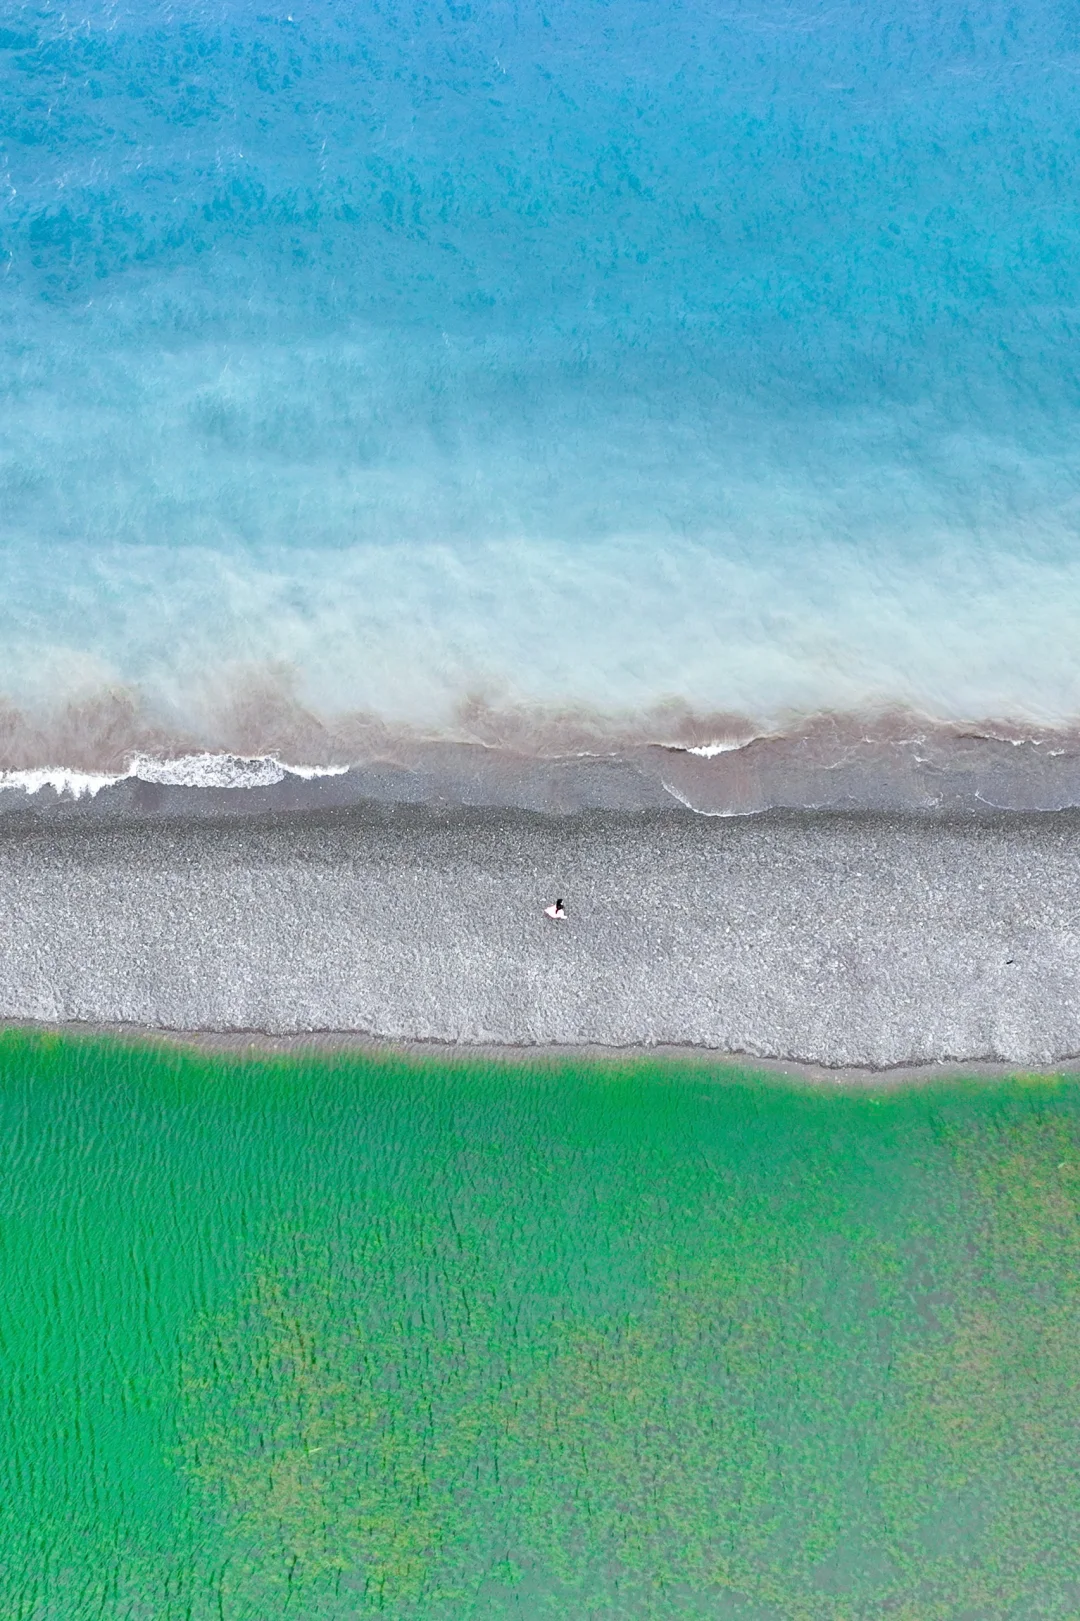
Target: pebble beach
(872,941)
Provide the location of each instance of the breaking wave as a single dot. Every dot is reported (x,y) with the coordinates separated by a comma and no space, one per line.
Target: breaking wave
(672,759)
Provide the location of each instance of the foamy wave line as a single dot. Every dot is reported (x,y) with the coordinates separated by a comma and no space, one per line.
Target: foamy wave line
(190,771)
(709,751)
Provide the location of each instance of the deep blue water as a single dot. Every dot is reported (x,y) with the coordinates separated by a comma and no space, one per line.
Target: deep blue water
(382,357)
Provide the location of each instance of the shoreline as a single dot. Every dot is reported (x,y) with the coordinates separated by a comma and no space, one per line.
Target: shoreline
(719,1064)
(842,943)
(725,766)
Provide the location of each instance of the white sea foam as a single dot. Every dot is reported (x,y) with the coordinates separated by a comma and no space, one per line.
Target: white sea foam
(74,784)
(189,771)
(224,771)
(709,751)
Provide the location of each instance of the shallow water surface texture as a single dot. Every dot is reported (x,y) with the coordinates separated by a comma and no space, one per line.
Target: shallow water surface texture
(352,1336)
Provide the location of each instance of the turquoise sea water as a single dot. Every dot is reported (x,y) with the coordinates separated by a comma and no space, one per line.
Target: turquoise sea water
(391,359)
(343,1337)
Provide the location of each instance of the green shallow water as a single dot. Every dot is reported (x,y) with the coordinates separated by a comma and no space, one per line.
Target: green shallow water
(352,1336)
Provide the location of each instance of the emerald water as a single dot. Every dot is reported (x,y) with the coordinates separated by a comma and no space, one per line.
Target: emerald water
(329,1337)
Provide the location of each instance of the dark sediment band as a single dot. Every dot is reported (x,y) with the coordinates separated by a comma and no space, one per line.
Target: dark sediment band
(897,762)
(857,940)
